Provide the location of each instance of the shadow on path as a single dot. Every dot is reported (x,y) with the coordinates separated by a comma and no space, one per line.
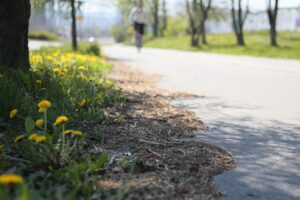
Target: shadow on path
(266,152)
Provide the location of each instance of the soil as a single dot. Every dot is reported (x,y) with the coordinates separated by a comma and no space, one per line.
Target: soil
(153,150)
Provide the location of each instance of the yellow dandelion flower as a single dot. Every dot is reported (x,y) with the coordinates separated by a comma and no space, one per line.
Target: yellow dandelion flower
(33,137)
(13,113)
(82,68)
(49,58)
(10,179)
(77,133)
(82,103)
(19,138)
(40,139)
(44,104)
(39,122)
(61,119)
(56,70)
(38,82)
(68,132)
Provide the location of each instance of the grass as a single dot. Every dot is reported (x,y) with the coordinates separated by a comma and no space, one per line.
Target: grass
(43,35)
(46,125)
(257,44)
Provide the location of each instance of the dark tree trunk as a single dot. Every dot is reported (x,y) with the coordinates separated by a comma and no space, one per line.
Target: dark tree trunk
(272,15)
(240,39)
(238,19)
(205,9)
(273,35)
(194,27)
(14,25)
(195,38)
(155,19)
(203,33)
(74,26)
(164,18)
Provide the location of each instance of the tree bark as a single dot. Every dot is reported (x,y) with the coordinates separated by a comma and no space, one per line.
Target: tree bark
(272,15)
(155,18)
(238,19)
(14,25)
(205,8)
(74,26)
(164,18)
(195,38)
(273,35)
(203,34)
(194,28)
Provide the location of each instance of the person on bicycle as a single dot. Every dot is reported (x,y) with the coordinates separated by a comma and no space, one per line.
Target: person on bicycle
(139,19)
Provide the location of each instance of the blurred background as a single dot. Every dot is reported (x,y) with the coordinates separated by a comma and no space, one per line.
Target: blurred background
(170,23)
(103,18)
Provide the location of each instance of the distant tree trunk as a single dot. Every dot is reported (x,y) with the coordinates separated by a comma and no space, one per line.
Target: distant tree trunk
(194,26)
(272,15)
(74,26)
(205,8)
(155,13)
(14,25)
(203,33)
(238,18)
(164,18)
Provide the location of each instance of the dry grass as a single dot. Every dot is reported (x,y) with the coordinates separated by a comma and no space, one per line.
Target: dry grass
(174,165)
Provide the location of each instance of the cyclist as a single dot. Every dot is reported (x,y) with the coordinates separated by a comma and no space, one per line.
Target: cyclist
(139,19)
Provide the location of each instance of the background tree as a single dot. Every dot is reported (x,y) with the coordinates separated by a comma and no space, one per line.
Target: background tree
(14,25)
(73,5)
(70,5)
(193,11)
(272,11)
(74,26)
(122,30)
(239,17)
(164,19)
(154,9)
(205,6)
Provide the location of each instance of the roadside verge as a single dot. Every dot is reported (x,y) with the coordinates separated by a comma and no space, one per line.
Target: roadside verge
(174,165)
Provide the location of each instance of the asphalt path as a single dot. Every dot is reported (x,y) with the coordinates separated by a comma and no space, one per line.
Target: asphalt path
(252,106)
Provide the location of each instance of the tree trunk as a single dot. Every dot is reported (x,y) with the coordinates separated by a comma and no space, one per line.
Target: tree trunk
(164,18)
(14,25)
(156,20)
(238,19)
(195,38)
(240,39)
(203,33)
(74,26)
(272,15)
(273,35)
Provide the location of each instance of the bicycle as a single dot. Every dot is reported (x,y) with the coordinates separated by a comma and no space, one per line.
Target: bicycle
(139,41)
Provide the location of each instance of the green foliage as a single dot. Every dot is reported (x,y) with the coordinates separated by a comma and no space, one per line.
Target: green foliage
(177,26)
(43,35)
(66,92)
(258,44)
(90,48)
(122,32)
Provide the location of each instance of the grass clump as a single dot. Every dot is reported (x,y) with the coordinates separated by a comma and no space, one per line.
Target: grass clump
(257,44)
(44,114)
(43,35)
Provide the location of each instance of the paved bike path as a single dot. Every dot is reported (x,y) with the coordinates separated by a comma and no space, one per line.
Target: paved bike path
(252,106)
